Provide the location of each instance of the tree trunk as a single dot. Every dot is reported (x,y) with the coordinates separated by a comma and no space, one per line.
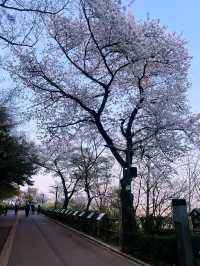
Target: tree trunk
(128,222)
(88,204)
(147,219)
(56,200)
(66,202)
(66,194)
(189,194)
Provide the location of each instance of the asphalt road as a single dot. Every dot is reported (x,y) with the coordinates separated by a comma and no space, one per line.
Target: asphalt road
(41,242)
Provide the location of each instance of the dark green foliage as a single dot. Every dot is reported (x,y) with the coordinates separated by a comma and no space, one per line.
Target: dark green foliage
(17,158)
(1,209)
(166,232)
(160,250)
(8,190)
(154,225)
(196,245)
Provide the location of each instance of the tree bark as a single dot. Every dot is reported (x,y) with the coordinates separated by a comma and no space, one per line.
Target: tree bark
(189,194)
(147,219)
(128,226)
(128,222)
(66,202)
(88,204)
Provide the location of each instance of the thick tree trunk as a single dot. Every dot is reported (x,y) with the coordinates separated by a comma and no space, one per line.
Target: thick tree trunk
(128,221)
(148,224)
(189,194)
(56,200)
(66,202)
(88,204)
(128,227)
(66,194)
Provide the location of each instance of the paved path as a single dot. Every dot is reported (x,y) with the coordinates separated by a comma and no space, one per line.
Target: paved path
(41,242)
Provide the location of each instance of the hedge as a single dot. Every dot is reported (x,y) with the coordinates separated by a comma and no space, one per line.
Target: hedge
(1,209)
(162,250)
(159,250)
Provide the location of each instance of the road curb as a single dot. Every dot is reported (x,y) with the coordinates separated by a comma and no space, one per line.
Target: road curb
(100,243)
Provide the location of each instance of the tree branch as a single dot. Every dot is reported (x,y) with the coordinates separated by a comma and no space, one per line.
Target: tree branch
(8,41)
(95,41)
(35,10)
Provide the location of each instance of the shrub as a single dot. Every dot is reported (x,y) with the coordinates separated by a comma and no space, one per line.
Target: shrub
(158,249)
(1,209)
(196,245)
(162,249)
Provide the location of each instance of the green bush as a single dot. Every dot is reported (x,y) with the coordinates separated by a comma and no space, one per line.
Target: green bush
(196,245)
(1,209)
(158,249)
(162,250)
(151,225)
(166,232)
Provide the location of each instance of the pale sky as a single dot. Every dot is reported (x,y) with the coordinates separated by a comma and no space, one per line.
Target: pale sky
(181,16)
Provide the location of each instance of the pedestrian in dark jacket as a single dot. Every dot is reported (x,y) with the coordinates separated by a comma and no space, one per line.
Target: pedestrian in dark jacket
(16,209)
(38,209)
(5,210)
(33,209)
(27,209)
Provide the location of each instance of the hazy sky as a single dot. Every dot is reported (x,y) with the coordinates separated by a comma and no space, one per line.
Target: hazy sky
(181,16)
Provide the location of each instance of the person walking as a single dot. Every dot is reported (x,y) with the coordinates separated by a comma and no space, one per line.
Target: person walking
(33,209)
(5,210)
(38,209)
(16,209)
(27,209)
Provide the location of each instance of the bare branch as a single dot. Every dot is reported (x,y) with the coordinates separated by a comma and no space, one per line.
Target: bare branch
(35,10)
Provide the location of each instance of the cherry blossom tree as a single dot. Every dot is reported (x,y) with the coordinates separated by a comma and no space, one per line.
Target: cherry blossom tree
(126,78)
(20,21)
(94,170)
(189,171)
(101,191)
(156,185)
(58,161)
